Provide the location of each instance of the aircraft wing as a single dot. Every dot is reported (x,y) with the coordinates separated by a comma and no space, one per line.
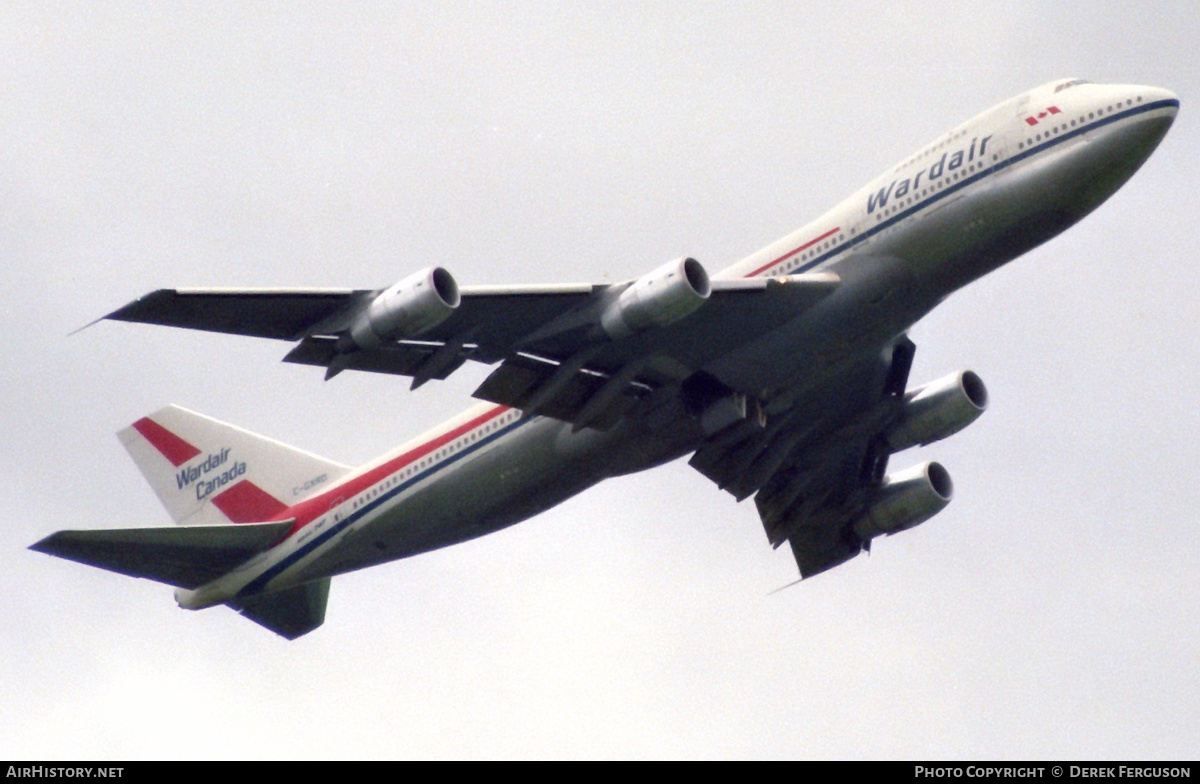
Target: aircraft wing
(815,468)
(186,556)
(553,356)
(500,315)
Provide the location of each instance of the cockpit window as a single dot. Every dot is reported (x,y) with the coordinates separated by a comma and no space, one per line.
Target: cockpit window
(1068,85)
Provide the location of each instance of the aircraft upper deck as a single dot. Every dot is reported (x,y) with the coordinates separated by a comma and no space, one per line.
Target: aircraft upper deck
(986,144)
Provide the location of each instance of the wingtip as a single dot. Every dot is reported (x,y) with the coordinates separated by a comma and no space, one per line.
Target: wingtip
(45,544)
(120,313)
(112,316)
(85,326)
(782,587)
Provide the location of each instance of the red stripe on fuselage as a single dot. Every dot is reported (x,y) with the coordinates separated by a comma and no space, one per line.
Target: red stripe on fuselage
(307,511)
(167,443)
(791,253)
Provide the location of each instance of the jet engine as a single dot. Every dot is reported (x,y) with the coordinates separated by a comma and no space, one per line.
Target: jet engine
(657,299)
(906,499)
(414,305)
(938,409)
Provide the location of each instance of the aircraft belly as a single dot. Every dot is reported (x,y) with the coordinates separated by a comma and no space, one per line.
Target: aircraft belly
(895,279)
(490,490)
(880,296)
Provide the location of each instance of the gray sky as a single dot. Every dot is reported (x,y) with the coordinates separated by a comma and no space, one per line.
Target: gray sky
(1051,611)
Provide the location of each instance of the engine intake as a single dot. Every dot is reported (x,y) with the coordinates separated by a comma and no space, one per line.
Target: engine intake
(938,409)
(657,299)
(906,499)
(414,305)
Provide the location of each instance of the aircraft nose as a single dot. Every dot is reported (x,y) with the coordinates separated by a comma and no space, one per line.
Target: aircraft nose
(1159,95)
(1143,96)
(1160,108)
(1142,115)
(1135,120)
(1161,103)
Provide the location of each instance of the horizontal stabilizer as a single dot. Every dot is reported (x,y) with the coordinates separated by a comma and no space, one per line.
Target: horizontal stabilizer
(183,556)
(291,613)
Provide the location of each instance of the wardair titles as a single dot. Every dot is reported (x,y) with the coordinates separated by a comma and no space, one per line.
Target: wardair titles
(199,474)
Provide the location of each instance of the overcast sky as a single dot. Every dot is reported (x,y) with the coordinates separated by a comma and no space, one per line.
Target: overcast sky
(1052,610)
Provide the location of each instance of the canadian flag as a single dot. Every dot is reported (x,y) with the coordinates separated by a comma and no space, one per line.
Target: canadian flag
(1042,115)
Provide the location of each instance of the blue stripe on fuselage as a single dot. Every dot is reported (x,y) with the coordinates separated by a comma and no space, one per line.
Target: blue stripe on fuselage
(965,181)
(258,583)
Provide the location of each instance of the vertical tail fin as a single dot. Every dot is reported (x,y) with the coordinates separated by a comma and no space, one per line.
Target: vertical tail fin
(207,472)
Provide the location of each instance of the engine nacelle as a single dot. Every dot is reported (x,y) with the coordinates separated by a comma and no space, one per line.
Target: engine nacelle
(906,499)
(414,305)
(657,299)
(939,409)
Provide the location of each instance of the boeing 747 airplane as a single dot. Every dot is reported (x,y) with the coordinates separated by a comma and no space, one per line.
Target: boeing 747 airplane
(785,376)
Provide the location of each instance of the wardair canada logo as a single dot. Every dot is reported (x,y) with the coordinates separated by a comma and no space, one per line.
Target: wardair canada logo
(199,474)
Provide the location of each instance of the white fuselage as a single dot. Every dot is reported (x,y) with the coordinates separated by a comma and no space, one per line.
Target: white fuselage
(980,195)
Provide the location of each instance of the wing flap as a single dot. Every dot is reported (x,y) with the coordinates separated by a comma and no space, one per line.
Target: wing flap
(820,549)
(517,381)
(399,359)
(183,556)
(736,312)
(813,467)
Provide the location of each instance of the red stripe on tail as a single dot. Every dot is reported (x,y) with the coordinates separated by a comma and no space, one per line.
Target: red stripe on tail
(246,502)
(170,445)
